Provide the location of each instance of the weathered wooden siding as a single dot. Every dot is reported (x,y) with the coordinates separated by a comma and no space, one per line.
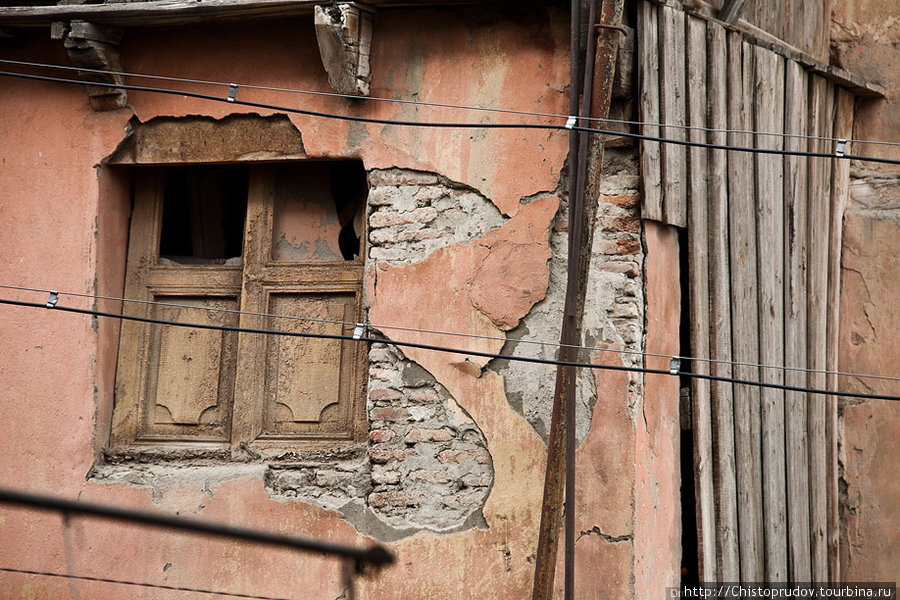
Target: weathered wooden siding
(762,236)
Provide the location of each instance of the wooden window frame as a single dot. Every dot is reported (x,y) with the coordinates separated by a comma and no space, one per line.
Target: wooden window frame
(251,287)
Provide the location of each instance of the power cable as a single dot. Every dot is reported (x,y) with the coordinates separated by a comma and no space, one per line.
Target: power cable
(451,125)
(445,105)
(370,325)
(158,586)
(673,371)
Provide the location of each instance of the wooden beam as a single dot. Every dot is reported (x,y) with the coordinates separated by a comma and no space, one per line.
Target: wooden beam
(672,113)
(155,12)
(176,12)
(720,344)
(94,46)
(769,117)
(698,270)
(795,328)
(344,33)
(745,340)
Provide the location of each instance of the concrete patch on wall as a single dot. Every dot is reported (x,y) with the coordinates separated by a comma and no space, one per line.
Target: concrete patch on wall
(613,315)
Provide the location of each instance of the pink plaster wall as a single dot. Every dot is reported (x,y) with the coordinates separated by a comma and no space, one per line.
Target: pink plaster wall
(870,446)
(65,227)
(866,41)
(658,480)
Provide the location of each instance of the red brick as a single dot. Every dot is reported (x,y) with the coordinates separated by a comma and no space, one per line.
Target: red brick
(423,395)
(457,456)
(623,200)
(381,435)
(628,246)
(382,499)
(428,435)
(389,414)
(383,395)
(626,224)
(381,456)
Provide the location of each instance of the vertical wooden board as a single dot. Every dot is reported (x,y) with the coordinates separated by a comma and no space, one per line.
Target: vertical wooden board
(796,450)
(651,174)
(149,187)
(672,114)
(745,343)
(699,303)
(818,223)
(716,241)
(769,118)
(248,410)
(840,192)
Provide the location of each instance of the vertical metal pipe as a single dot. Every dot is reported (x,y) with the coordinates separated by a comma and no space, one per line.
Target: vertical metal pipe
(575,274)
(554,479)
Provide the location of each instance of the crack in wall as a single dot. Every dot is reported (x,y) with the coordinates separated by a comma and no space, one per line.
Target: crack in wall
(595,530)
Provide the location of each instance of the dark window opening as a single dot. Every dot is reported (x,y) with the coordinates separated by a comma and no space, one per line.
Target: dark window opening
(349,188)
(203,215)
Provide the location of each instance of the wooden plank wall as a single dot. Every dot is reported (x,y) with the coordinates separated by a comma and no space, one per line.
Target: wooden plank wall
(763,250)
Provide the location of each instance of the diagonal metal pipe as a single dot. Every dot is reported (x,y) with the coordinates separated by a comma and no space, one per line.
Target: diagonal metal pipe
(561,445)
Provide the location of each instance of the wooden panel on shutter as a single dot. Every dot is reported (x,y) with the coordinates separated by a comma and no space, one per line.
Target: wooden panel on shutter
(190,372)
(305,225)
(310,381)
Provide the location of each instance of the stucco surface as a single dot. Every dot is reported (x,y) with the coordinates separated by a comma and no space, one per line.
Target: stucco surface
(865,40)
(870,549)
(657,481)
(451,57)
(65,225)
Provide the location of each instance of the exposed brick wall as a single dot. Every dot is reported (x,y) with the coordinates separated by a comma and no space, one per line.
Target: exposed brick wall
(430,463)
(412,214)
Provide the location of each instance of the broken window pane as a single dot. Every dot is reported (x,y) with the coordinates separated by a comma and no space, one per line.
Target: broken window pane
(203,215)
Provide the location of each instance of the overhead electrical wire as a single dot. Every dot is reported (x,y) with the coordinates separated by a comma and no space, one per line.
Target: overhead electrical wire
(446,105)
(380,327)
(673,371)
(448,125)
(432,124)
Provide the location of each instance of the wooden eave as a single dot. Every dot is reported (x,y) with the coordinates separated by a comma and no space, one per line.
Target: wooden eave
(178,12)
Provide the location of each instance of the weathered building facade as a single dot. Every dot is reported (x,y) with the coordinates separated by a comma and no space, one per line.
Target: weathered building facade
(323,199)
